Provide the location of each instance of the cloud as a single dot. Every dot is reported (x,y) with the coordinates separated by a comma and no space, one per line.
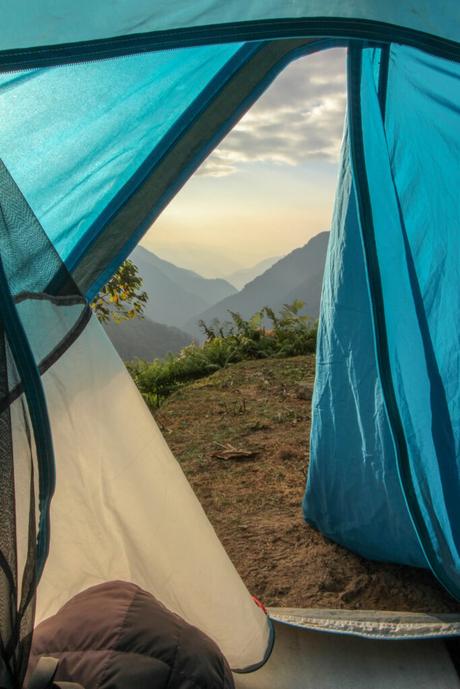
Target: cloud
(299,118)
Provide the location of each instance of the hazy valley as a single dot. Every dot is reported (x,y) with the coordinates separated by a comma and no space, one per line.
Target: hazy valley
(180,298)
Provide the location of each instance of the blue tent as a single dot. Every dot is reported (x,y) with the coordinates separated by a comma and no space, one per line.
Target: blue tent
(385,442)
(106,110)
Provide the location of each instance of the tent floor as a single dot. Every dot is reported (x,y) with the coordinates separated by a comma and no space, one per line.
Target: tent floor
(305,659)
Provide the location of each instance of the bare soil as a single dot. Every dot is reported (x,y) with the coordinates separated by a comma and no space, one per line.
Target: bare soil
(263,408)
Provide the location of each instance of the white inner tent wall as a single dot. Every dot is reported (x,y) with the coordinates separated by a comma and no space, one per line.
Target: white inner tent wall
(123,508)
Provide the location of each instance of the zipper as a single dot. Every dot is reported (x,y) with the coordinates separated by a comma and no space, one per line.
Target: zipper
(235,32)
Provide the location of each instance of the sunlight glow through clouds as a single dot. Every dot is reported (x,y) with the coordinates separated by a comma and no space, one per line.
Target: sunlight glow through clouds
(269,186)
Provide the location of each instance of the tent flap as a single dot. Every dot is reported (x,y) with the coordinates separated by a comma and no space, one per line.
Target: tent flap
(405,152)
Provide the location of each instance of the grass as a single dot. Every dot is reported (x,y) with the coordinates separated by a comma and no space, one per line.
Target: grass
(260,405)
(289,334)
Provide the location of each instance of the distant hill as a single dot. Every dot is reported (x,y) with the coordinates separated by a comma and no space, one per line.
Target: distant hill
(298,275)
(240,278)
(200,258)
(176,294)
(141,338)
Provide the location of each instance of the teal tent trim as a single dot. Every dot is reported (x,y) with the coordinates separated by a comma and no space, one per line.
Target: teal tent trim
(68,28)
(383,78)
(333,28)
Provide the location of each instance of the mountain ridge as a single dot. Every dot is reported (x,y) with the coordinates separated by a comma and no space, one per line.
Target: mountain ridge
(240,278)
(298,275)
(175,293)
(141,338)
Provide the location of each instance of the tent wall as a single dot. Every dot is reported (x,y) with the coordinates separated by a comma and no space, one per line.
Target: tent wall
(107,118)
(26,452)
(353,492)
(405,145)
(123,510)
(31,23)
(18,523)
(122,507)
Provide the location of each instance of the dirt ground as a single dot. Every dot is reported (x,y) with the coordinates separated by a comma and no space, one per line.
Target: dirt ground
(254,503)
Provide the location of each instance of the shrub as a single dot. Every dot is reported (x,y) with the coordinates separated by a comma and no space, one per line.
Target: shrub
(288,334)
(121,297)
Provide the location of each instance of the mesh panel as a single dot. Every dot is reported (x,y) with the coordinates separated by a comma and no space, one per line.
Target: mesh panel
(8,583)
(17,531)
(31,276)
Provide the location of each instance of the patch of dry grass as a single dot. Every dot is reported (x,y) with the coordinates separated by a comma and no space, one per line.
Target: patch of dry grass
(264,406)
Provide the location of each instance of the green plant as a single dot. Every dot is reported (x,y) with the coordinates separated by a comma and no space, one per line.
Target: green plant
(283,335)
(266,333)
(121,299)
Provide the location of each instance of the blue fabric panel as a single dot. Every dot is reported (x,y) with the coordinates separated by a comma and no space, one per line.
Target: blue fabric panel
(353,493)
(413,170)
(73,136)
(29,23)
(424,98)
(384,475)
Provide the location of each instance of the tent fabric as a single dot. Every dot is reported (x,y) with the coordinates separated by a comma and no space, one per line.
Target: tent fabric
(33,344)
(37,23)
(353,493)
(28,266)
(415,236)
(123,509)
(170,109)
(404,152)
(93,150)
(304,659)
(18,524)
(107,119)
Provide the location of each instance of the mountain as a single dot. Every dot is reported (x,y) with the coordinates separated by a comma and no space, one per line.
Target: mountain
(176,294)
(298,275)
(206,260)
(143,339)
(240,278)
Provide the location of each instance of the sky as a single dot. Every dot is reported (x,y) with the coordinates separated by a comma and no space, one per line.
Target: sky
(269,186)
